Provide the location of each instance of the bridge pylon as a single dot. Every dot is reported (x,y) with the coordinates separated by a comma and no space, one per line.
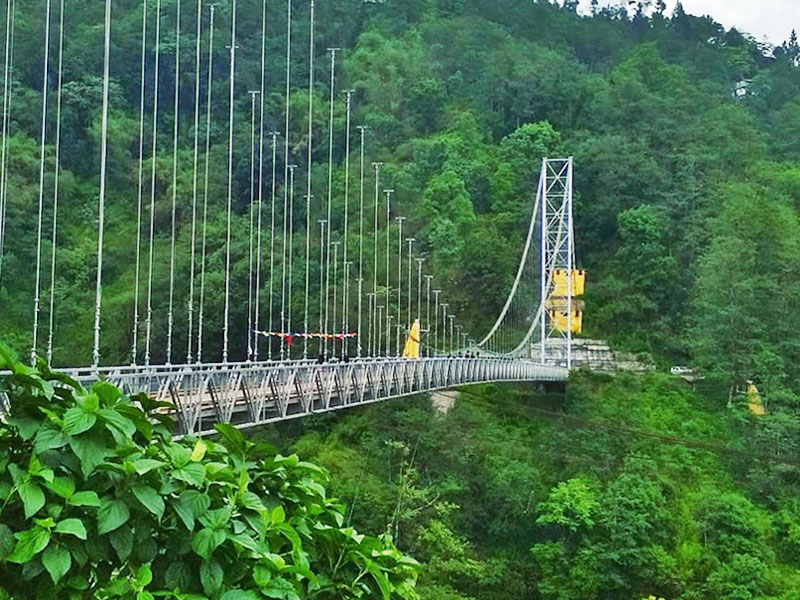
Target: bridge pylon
(544,303)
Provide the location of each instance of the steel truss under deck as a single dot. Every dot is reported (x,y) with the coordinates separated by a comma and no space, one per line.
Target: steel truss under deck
(250,394)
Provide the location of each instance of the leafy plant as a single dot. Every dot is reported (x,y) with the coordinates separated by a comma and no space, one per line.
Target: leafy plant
(97,500)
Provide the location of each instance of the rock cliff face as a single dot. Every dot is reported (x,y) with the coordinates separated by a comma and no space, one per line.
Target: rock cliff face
(593,354)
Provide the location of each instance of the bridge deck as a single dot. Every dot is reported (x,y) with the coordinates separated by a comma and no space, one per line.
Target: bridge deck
(250,394)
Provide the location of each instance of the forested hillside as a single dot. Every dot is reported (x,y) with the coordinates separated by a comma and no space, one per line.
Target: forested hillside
(630,487)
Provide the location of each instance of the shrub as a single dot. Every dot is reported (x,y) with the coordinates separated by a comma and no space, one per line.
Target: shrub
(97,500)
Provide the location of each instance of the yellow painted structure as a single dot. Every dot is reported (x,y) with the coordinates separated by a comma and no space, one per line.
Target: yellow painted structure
(566,289)
(754,402)
(560,321)
(411,349)
(560,283)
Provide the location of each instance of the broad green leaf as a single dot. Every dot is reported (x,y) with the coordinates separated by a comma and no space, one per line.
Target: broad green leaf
(32,498)
(57,560)
(29,543)
(118,588)
(199,451)
(87,498)
(290,461)
(180,456)
(262,575)
(279,588)
(76,421)
(290,533)
(245,541)
(190,505)
(89,403)
(5,489)
(107,392)
(205,541)
(91,450)
(276,560)
(144,595)
(216,519)
(78,583)
(72,527)
(114,419)
(307,466)
(27,427)
(37,469)
(63,486)
(143,425)
(144,576)
(232,439)
(145,465)
(6,542)
(122,541)
(380,578)
(112,514)
(149,499)
(193,474)
(49,438)
(178,575)
(251,501)
(278,515)
(211,576)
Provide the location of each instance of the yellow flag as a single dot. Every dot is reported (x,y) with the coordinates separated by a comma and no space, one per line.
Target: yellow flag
(411,349)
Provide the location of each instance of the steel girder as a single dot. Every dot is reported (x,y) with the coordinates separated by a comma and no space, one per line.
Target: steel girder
(250,394)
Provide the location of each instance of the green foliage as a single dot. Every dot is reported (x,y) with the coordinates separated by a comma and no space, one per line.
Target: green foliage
(99,501)
(596,497)
(569,505)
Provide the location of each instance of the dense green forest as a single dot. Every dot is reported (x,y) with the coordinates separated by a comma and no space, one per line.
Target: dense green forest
(688,222)
(629,487)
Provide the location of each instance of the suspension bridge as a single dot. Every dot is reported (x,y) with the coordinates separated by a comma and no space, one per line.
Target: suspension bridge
(306,342)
